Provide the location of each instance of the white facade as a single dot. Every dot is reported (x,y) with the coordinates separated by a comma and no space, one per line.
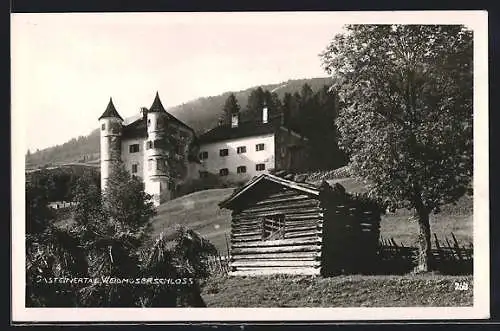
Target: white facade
(110,141)
(132,159)
(215,163)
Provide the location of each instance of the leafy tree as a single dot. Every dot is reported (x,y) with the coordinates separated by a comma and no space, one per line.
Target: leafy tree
(407,115)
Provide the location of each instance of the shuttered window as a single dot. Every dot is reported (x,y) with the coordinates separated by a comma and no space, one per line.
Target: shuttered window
(133,148)
(273,227)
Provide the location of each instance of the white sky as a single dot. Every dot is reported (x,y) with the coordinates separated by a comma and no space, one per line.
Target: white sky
(66,66)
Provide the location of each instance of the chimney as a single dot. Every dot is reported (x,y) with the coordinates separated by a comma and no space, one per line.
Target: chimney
(144,112)
(264,114)
(234,120)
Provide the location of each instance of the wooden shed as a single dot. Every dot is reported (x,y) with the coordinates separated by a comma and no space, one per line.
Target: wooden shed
(283,226)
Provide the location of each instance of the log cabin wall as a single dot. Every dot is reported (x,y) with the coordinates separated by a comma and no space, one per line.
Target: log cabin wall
(278,231)
(351,232)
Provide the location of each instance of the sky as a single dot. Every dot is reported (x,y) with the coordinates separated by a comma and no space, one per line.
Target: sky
(65,67)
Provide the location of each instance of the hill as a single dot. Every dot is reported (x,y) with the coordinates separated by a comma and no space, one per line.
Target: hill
(200,212)
(201,114)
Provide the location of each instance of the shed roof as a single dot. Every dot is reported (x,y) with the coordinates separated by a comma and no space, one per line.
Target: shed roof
(254,182)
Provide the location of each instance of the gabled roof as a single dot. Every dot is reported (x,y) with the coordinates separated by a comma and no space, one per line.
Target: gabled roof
(136,129)
(245,129)
(157,106)
(110,111)
(254,182)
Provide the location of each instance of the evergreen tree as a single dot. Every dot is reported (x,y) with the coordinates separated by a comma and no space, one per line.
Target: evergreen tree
(256,100)
(231,107)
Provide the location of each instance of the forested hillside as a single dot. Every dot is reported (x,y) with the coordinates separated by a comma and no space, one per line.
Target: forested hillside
(201,114)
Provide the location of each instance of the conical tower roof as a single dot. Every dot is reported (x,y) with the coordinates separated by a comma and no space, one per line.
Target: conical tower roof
(110,111)
(157,106)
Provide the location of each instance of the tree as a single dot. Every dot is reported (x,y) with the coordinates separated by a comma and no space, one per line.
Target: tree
(407,116)
(231,107)
(255,103)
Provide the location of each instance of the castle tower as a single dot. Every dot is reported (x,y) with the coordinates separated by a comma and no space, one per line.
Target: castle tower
(111,131)
(157,174)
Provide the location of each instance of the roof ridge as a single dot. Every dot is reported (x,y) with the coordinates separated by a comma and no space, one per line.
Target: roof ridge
(110,111)
(157,106)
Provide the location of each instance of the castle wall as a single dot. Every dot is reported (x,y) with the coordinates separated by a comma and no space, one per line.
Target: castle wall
(110,141)
(214,163)
(131,158)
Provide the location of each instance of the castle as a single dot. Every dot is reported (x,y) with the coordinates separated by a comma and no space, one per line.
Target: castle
(158,148)
(165,152)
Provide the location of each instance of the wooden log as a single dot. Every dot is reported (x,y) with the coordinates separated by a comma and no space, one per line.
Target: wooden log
(242,222)
(262,271)
(281,242)
(266,263)
(311,234)
(238,234)
(283,249)
(284,256)
(289,214)
(281,209)
(239,258)
(303,222)
(283,205)
(304,216)
(304,228)
(273,201)
(245,240)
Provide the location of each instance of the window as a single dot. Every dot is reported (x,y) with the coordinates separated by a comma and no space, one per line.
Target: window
(161,165)
(273,227)
(241,170)
(203,174)
(134,168)
(149,122)
(103,126)
(158,143)
(241,149)
(150,164)
(184,135)
(149,145)
(203,155)
(259,147)
(224,152)
(260,167)
(133,148)
(115,127)
(171,185)
(223,172)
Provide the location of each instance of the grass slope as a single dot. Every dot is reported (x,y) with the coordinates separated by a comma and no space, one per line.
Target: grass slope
(341,291)
(200,212)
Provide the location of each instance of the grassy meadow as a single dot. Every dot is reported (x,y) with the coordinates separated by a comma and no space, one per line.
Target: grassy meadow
(200,212)
(341,291)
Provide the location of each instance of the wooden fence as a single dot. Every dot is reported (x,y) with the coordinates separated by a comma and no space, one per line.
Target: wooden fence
(447,256)
(218,264)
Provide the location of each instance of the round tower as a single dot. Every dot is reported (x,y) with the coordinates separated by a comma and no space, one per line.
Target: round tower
(157,174)
(111,130)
